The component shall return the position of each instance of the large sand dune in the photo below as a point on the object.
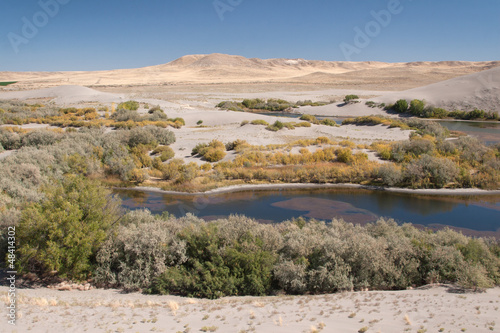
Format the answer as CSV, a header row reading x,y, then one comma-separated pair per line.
x,y
221,68
480,90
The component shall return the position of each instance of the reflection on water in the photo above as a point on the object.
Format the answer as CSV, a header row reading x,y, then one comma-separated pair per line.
x,y
481,213
324,209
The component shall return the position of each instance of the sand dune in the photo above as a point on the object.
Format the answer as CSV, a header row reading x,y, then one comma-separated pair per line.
x,y
477,90
481,90
64,95
221,68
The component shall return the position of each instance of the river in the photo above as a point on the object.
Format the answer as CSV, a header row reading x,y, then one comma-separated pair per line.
x,y
475,215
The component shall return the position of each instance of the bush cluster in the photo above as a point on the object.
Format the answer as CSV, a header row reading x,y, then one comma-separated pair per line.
x,y
16,113
213,151
238,256
419,109
432,162
270,105
128,105
420,126
348,99
314,120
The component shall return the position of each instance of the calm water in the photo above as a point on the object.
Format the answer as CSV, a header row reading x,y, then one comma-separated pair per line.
x,y
480,213
488,132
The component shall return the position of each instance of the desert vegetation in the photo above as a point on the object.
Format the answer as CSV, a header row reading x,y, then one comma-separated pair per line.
x,y
125,116
418,108
4,84
314,120
351,99
269,105
236,255
53,189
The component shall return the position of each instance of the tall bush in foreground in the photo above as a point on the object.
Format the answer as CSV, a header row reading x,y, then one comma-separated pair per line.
x,y
238,256
63,232
141,249
221,260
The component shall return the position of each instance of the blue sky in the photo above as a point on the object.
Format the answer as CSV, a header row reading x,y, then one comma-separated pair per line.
x,y
111,34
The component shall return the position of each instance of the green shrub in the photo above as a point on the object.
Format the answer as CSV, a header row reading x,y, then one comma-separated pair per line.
x,y
278,125
214,155
129,105
417,107
236,144
350,99
329,122
123,115
228,105
199,149
141,136
430,171
165,153
157,115
211,152
390,174
259,122
344,155
163,136
218,266
63,232
401,106
309,118
178,120
141,249
9,140
39,138
413,148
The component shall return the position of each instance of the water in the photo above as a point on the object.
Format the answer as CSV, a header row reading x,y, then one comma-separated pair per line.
x,y
479,213
488,132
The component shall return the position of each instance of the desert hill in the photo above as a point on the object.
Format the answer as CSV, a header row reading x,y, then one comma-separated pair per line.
x,y
481,90
229,69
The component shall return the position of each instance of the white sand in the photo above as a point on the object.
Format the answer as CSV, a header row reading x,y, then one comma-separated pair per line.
x,y
427,309
481,90
63,95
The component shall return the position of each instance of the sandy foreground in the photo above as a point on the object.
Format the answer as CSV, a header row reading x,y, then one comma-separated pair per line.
x,y
428,309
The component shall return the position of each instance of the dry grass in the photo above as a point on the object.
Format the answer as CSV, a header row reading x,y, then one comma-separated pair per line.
x,y
407,320
173,306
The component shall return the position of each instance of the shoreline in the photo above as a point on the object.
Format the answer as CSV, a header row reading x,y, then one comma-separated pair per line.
x,y
292,186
